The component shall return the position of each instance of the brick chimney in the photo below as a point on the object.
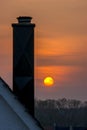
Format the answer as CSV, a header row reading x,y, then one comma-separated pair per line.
x,y
23,61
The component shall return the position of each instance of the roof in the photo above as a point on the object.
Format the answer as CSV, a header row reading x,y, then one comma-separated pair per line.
x,y
13,115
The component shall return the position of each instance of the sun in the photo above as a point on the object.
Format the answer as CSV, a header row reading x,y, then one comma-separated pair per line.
x,y
48,81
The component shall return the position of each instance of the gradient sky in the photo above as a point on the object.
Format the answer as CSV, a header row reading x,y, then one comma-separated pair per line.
x,y
60,44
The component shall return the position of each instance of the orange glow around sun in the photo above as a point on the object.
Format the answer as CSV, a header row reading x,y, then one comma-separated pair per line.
x,y
48,81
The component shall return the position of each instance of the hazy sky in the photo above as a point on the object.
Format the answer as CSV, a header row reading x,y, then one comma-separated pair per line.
x,y
60,44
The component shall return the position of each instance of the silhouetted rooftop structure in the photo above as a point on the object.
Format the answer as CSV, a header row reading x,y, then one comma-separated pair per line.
x,y
24,19
13,115
23,61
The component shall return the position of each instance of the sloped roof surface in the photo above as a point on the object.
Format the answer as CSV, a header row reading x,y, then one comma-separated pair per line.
x,y
12,114
8,118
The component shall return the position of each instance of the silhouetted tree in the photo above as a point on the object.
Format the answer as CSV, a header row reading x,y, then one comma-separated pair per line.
x,y
74,103
61,103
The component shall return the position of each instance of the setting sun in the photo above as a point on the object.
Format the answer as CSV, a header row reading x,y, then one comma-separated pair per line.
x,y
48,81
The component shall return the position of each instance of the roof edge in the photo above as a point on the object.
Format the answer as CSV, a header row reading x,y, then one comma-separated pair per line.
x,y
6,85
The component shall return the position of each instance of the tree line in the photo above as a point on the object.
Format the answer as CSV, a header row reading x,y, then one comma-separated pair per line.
x,y
60,103
63,112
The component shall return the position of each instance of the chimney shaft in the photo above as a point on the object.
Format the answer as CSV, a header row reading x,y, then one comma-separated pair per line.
x,y
23,61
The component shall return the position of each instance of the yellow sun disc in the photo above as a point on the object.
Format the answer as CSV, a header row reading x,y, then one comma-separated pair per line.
x,y
48,81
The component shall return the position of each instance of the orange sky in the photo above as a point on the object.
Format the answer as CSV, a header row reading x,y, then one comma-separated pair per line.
x,y
60,44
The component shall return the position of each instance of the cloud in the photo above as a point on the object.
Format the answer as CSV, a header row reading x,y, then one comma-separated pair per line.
x,y
62,60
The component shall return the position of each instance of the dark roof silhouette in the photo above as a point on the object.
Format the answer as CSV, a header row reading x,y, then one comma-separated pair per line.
x,y
13,115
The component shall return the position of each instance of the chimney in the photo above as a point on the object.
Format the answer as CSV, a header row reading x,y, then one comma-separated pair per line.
x,y
23,61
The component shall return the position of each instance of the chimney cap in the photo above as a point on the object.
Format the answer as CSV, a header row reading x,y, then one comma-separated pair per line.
x,y
24,19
